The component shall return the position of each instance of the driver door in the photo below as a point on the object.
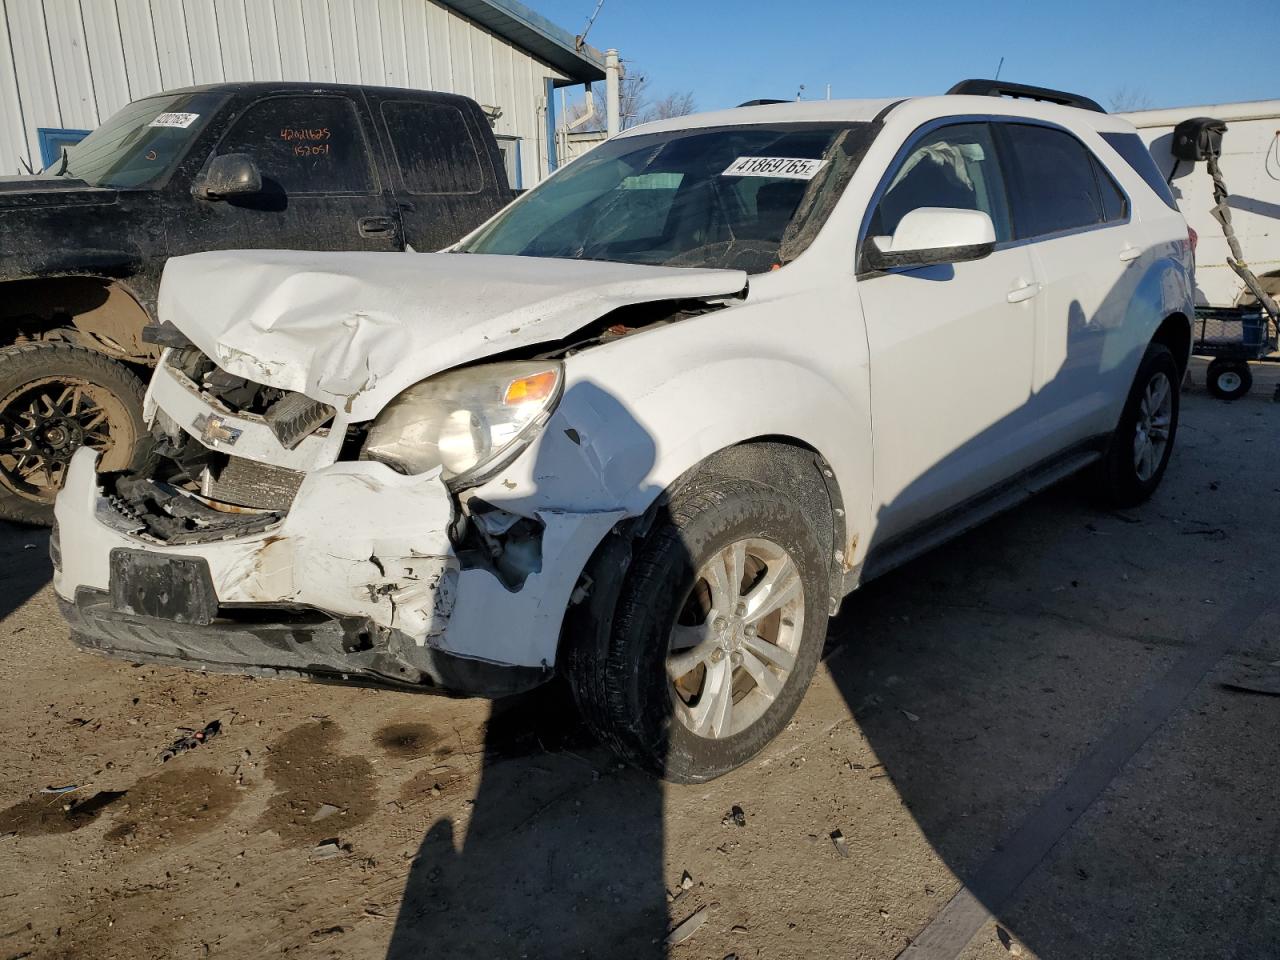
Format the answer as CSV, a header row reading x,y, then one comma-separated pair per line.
x,y
951,346
321,188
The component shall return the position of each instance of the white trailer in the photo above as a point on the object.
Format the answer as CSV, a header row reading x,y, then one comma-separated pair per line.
x,y
1250,165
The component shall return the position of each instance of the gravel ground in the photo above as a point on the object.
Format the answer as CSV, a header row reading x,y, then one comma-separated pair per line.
x,y
1037,741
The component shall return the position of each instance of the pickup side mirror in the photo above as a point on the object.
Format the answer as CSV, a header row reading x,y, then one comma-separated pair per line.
x,y
932,235
228,175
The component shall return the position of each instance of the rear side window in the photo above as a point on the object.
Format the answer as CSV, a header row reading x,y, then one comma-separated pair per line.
x,y
433,147
1115,205
1054,184
1136,154
304,145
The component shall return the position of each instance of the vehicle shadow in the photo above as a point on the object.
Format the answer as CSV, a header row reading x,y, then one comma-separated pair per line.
x,y
964,670
25,567
559,832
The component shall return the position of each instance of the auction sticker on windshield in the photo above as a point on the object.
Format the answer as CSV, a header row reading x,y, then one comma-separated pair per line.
x,y
182,120
792,168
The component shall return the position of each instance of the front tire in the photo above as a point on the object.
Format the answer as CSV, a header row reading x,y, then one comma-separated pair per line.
x,y
55,398
715,636
1138,452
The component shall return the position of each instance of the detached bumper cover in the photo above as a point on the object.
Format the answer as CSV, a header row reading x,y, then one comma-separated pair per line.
x,y
359,583
300,645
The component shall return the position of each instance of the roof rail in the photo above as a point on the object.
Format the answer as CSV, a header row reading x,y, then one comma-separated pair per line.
x,y
760,103
1001,88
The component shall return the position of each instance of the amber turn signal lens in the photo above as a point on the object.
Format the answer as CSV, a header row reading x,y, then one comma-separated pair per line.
x,y
539,386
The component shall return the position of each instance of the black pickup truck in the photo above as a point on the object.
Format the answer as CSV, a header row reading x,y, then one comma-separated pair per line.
x,y
227,166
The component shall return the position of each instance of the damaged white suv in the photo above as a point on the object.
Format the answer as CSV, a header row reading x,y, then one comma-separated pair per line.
x,y
650,424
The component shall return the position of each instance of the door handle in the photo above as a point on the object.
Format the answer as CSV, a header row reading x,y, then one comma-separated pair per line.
x,y
1130,252
375,227
1024,292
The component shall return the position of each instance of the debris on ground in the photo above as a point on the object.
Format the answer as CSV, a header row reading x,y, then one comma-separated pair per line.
x,y
325,810
841,844
1007,941
67,789
328,849
735,817
687,927
910,716
686,881
191,740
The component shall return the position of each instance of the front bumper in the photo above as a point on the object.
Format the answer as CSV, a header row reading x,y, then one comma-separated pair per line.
x,y
359,583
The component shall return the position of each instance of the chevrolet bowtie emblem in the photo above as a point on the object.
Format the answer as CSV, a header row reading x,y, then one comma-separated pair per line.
x,y
214,430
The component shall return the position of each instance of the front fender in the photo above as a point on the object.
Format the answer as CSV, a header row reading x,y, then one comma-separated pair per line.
x,y
631,422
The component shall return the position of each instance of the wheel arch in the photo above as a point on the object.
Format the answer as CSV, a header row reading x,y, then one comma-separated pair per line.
x,y
1175,333
99,313
789,464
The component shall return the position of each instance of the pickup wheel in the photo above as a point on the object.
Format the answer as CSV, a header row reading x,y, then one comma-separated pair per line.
x,y
1139,450
54,398
716,633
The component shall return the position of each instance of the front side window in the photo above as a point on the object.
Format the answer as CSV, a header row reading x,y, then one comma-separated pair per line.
x,y
954,166
741,197
1055,186
304,145
141,144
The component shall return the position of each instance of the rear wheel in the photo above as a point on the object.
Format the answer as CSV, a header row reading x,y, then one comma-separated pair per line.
x,y
715,635
1229,379
55,398
1139,450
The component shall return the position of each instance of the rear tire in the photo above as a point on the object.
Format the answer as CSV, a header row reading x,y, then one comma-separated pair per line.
x,y
1138,452
54,398
620,672
1229,379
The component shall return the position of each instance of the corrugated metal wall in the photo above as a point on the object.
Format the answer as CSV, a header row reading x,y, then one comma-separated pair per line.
x,y
70,64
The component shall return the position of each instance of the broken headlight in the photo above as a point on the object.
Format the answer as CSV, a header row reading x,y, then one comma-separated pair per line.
x,y
469,422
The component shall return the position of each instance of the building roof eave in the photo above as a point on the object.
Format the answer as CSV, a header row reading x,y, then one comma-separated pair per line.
x,y
522,27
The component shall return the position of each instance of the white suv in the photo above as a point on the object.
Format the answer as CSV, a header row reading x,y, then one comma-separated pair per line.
x,y
650,424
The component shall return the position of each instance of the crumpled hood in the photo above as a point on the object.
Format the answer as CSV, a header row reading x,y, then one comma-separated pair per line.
x,y
354,329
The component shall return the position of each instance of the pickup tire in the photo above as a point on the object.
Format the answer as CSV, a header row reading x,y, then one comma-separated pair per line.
x,y
54,398
1138,452
747,672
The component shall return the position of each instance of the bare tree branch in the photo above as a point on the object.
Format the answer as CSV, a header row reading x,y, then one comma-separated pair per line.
x,y
1126,98
635,103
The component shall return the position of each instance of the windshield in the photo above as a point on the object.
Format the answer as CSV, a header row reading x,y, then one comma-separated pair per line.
x,y
139,145
741,197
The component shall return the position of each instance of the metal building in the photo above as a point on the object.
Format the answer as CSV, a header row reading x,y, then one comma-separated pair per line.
x,y
67,65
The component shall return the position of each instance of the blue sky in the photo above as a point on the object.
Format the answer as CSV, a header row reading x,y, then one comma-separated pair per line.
x,y
1174,52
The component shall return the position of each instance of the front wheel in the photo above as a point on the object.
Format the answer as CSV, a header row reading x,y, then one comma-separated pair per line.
x,y
1138,452
55,398
715,636
1229,379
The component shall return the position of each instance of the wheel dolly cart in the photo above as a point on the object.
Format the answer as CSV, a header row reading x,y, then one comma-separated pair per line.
x,y
1230,337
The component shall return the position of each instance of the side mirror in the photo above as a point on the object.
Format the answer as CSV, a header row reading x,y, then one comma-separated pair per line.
x,y
228,175
933,235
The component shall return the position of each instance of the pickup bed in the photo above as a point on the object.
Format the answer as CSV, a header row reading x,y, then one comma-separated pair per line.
x,y
226,166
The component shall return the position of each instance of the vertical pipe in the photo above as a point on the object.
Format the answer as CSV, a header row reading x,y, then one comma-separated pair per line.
x,y
549,89
613,92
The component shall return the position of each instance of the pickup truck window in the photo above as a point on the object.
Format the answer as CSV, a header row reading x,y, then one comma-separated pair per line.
x,y
140,145
701,197
304,145
433,147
